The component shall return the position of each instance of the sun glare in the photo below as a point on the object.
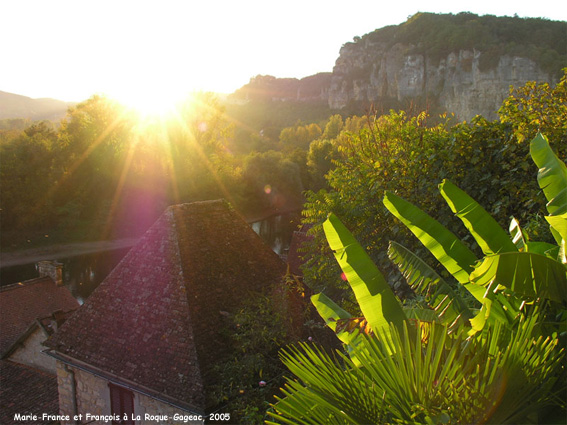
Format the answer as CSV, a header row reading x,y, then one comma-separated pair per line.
x,y
151,104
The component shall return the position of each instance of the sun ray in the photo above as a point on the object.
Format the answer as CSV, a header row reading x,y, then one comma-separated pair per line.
x,y
119,187
77,163
202,156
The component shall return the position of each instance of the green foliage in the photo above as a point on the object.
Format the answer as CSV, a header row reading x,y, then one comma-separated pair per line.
x,y
300,136
14,124
366,164
432,377
273,179
333,127
320,159
377,302
270,118
445,300
539,108
552,176
255,333
447,248
27,177
106,172
490,237
490,161
393,377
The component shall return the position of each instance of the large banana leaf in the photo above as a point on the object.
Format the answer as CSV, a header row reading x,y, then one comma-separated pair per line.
x,y
375,297
425,281
552,175
331,314
526,273
552,178
491,238
496,306
519,237
558,225
456,257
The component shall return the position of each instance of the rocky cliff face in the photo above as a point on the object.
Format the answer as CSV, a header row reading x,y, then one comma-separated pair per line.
x,y
461,82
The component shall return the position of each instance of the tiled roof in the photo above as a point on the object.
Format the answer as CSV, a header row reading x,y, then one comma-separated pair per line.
x,y
22,303
26,390
155,320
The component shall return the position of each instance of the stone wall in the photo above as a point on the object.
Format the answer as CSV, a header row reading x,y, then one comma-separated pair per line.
x,y
155,408
92,392
93,397
29,353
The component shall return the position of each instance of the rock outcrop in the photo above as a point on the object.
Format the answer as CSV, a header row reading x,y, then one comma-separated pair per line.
x,y
371,72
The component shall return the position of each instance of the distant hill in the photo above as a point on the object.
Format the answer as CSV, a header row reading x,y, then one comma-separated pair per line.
x,y
17,106
463,63
267,88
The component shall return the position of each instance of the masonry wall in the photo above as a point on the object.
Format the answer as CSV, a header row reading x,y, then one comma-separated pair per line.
x,y
153,407
92,392
93,397
29,353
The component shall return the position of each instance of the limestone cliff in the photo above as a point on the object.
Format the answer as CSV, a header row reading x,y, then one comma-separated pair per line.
x,y
371,72
463,63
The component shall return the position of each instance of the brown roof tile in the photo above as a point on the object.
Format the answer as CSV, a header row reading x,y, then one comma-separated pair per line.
x,y
154,321
26,390
22,303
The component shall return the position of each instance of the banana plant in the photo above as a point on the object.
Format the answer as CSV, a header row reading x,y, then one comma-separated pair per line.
x,y
447,304
426,366
538,270
512,271
452,253
377,301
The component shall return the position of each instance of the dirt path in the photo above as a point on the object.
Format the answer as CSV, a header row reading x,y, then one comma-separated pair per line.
x,y
55,252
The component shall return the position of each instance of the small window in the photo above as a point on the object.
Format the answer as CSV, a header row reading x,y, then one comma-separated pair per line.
x,y
121,404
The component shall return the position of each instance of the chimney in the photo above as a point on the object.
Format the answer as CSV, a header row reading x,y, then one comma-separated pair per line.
x,y
52,269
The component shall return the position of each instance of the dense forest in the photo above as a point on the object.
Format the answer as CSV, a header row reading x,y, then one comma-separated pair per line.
x,y
106,172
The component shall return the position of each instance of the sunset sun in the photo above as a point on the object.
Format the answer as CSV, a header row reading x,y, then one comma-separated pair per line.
x,y
158,101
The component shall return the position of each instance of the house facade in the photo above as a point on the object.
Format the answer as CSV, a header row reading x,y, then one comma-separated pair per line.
x,y
30,312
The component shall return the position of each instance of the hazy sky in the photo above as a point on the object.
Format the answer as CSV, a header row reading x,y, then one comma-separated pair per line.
x,y
73,49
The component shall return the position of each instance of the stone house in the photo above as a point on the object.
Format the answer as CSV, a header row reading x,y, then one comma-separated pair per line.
x,y
30,312
146,341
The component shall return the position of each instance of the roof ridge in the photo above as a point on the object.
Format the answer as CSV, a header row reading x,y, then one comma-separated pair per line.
x,y
25,283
